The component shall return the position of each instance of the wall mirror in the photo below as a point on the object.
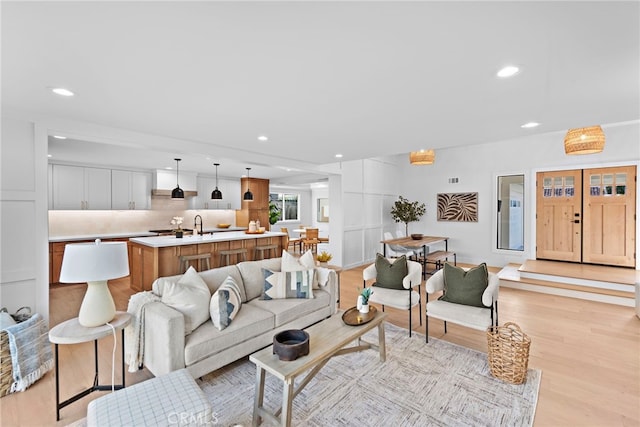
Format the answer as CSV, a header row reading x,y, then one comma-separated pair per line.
x,y
510,212
323,210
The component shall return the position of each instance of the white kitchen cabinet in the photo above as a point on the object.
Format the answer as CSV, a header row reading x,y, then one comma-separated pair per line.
x,y
230,194
130,190
81,188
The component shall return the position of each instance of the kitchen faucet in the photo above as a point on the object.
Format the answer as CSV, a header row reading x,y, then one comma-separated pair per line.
x,y
195,223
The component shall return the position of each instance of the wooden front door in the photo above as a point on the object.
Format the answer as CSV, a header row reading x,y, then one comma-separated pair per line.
x,y
559,215
609,216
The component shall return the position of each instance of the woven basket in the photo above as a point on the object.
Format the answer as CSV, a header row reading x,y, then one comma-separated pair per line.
x,y
508,352
6,367
6,371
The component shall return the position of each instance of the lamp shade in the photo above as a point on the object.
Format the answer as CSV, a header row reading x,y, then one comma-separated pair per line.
x,y
248,195
216,194
587,140
422,157
177,193
95,263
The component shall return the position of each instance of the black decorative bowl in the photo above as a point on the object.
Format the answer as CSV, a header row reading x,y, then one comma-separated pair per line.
x,y
417,236
291,344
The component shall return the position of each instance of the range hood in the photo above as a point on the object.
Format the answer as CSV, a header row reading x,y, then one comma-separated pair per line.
x,y
164,181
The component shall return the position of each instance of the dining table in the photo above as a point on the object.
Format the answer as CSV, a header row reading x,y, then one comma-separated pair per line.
x,y
410,243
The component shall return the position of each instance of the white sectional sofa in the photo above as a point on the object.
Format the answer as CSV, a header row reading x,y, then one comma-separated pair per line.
x,y
166,348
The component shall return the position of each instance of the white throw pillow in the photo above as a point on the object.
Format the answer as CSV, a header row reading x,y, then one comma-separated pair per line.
x,y
290,284
305,262
190,296
225,303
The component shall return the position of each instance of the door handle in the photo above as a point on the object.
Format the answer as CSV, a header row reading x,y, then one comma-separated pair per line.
x,y
577,221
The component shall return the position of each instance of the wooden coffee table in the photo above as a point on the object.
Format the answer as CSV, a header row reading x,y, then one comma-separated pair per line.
x,y
326,339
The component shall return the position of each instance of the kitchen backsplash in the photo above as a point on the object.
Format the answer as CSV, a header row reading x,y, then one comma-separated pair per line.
x,y
80,223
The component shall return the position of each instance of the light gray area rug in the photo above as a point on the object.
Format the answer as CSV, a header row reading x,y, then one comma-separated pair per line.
x,y
435,384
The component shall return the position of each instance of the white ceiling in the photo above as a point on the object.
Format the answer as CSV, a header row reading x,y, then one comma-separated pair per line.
x,y
363,79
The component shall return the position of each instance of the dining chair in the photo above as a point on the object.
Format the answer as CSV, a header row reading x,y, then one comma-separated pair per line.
x,y
296,241
310,240
396,251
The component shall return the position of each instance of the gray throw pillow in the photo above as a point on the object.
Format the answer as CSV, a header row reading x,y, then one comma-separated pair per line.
x,y
465,287
390,274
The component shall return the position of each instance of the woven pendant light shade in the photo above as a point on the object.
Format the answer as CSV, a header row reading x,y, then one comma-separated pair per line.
x,y
422,157
587,140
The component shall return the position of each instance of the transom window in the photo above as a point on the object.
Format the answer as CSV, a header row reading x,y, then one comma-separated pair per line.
x,y
288,204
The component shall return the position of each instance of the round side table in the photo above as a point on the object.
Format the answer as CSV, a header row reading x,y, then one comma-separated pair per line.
x,y
72,332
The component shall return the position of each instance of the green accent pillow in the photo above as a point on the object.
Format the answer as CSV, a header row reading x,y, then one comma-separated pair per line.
x,y
465,287
390,274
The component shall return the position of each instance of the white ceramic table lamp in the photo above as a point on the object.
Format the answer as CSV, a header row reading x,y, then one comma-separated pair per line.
x,y
95,263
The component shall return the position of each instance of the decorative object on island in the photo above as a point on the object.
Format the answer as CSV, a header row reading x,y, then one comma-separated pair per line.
x,y
291,344
248,195
216,194
405,211
461,207
587,140
324,257
274,213
363,300
422,157
416,236
95,263
177,220
177,192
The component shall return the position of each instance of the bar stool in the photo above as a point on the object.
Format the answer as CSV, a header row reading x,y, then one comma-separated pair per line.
x,y
268,249
184,261
225,255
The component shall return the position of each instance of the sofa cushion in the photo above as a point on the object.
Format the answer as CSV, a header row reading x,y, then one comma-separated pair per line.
x,y
286,310
190,296
465,286
207,340
252,277
389,273
304,262
225,303
216,276
289,284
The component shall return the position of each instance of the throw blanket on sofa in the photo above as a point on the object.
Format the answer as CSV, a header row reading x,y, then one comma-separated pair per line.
x,y
134,332
31,355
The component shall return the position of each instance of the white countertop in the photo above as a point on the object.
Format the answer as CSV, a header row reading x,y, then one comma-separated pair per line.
x,y
167,241
100,236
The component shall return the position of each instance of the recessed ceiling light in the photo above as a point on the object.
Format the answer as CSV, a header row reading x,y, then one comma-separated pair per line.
x,y
338,155
508,71
168,168
59,137
62,91
530,125
263,138
49,155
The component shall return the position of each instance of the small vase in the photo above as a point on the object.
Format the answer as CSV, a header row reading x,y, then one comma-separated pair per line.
x,y
324,264
364,308
179,234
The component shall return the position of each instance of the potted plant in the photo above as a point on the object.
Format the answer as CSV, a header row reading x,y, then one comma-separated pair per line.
x,y
177,221
405,211
274,213
324,257
363,300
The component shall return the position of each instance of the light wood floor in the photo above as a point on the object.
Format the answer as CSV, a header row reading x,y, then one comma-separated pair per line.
x,y
589,354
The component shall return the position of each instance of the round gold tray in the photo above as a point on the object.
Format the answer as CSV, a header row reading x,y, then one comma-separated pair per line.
x,y
353,317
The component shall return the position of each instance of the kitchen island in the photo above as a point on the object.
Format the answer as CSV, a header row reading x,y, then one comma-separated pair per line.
x,y
153,257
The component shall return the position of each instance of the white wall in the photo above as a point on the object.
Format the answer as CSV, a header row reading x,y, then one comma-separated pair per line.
x,y
477,168
23,223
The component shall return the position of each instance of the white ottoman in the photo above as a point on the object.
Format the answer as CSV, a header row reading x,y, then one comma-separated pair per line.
x,y
173,399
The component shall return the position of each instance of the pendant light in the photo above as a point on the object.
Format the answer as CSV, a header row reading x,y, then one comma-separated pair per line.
x,y
216,194
248,195
177,192
422,157
587,140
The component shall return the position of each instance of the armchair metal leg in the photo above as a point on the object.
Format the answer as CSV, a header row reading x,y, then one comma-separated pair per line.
x,y
445,326
426,331
420,305
410,327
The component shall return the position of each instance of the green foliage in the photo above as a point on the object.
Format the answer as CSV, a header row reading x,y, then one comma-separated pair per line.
x,y
366,293
405,211
274,213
